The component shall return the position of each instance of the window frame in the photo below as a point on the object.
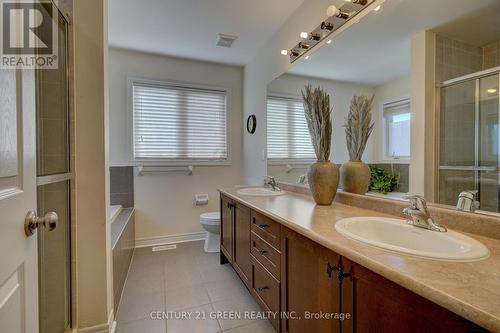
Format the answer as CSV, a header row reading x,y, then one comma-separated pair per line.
x,y
285,161
383,130
132,80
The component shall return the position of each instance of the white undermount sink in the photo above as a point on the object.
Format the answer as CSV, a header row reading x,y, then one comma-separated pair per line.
x,y
259,191
398,236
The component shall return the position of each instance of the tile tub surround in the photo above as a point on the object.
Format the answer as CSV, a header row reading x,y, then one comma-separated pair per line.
x,y
471,290
183,280
121,186
123,244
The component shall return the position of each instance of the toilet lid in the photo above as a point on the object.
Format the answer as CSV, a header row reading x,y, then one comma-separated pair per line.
x,y
210,217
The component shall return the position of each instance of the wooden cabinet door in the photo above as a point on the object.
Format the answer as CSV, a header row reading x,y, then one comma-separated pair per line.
x,y
308,286
377,304
226,227
242,263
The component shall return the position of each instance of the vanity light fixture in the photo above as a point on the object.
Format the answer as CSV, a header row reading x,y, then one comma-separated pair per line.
x,y
337,17
337,12
284,52
314,36
326,26
303,45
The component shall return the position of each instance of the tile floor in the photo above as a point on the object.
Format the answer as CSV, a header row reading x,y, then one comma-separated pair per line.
x,y
185,282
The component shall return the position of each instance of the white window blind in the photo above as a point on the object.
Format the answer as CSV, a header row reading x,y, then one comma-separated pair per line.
x,y
397,122
179,123
288,137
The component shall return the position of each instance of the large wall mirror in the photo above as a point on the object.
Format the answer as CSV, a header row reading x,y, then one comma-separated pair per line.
x,y
433,67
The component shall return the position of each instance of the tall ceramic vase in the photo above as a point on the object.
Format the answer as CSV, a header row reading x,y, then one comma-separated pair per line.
x,y
355,177
323,180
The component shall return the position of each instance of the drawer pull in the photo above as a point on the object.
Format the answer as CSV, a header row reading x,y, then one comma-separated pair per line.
x,y
262,252
262,288
262,226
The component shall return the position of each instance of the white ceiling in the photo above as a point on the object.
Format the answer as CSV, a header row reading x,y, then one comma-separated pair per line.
x,y
377,49
189,28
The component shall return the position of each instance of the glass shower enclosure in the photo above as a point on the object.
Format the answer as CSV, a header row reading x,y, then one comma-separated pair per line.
x,y
469,139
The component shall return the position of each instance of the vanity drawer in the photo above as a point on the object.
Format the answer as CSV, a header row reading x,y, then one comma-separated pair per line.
x,y
268,256
267,229
266,290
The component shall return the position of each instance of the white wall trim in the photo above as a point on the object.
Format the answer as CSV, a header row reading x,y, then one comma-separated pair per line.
x,y
170,239
109,327
102,328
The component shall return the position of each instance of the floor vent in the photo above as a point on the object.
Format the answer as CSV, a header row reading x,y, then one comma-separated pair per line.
x,y
163,248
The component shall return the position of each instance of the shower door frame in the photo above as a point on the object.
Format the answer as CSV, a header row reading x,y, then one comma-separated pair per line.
x,y
69,176
476,77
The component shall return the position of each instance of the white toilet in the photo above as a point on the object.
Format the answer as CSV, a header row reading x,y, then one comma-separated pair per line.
x,y
211,223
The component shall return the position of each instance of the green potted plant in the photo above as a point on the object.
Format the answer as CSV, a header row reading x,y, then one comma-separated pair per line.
x,y
323,176
355,175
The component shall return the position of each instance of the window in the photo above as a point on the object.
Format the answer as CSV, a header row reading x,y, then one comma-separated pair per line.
x,y
179,123
397,126
288,137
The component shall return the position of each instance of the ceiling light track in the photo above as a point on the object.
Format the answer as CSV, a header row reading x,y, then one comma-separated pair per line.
x,y
337,17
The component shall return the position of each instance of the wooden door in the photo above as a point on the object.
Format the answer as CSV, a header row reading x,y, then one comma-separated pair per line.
x,y
377,304
18,252
309,285
242,263
226,232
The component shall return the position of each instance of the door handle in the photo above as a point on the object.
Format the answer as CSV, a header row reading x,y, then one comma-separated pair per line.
x,y
32,222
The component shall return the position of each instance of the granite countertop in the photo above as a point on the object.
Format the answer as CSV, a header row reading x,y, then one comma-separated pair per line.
x,y
470,289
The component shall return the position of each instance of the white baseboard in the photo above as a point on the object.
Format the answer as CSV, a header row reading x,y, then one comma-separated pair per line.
x,y
109,327
103,328
171,239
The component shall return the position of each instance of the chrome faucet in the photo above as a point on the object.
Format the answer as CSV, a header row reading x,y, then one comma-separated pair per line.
x,y
419,216
467,201
270,181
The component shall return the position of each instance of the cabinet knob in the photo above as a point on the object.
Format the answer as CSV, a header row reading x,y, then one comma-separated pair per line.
x,y
262,288
330,269
342,275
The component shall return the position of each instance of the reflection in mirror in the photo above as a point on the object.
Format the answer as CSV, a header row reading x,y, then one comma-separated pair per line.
x,y
435,78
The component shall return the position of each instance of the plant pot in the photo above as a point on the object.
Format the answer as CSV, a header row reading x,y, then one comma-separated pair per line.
x,y
355,177
323,180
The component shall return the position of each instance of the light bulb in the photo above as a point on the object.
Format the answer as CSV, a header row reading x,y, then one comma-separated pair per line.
x,y
332,11
492,91
377,8
329,41
284,52
307,57
303,34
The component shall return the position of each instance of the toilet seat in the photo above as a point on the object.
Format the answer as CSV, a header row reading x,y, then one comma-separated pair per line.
x,y
211,218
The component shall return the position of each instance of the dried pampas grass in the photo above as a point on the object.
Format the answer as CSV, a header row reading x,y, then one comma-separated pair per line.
x,y
358,126
318,115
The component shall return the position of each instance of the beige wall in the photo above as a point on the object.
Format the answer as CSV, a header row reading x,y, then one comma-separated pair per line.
x,y
92,264
341,94
164,202
391,91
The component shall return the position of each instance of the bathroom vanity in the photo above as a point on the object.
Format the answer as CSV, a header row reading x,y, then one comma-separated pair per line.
x,y
287,252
